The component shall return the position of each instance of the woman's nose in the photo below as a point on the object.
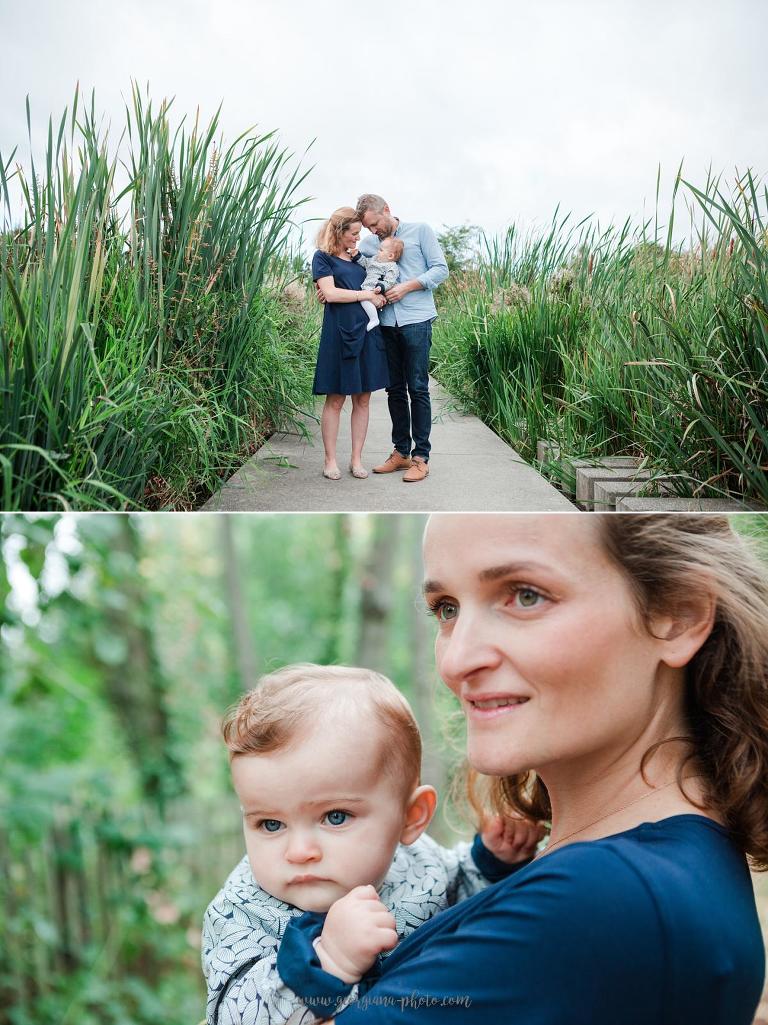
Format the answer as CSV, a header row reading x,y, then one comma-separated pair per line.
x,y
470,646
302,847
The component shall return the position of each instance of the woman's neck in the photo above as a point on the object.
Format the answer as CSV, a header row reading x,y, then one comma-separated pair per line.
x,y
592,800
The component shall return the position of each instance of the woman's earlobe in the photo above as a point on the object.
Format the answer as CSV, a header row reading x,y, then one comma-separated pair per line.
x,y
419,813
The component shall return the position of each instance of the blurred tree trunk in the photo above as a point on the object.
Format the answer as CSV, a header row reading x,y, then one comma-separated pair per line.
x,y
124,649
423,673
377,585
5,615
244,654
339,570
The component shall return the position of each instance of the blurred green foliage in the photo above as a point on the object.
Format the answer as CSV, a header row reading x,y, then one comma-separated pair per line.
x,y
123,641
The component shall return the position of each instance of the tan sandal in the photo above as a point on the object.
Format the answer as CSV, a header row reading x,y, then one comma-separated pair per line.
x,y
332,474
358,471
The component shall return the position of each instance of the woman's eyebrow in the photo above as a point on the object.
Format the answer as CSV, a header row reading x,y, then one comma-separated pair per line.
x,y
492,573
496,572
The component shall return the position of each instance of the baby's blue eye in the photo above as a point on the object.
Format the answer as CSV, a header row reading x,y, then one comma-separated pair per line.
x,y
270,825
337,818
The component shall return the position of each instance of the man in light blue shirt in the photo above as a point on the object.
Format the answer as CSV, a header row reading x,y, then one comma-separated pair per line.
x,y
406,324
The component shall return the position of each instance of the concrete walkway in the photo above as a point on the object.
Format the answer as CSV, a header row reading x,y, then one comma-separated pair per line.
x,y
471,469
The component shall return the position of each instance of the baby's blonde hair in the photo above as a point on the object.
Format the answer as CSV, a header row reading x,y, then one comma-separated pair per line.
x,y
397,246
286,703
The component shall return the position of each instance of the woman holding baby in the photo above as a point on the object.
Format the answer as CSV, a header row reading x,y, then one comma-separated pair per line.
x,y
351,359
613,672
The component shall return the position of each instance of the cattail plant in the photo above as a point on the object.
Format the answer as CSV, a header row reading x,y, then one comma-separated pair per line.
x,y
142,348
630,344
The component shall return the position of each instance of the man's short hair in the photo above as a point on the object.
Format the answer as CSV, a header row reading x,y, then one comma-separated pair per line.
x,y
369,201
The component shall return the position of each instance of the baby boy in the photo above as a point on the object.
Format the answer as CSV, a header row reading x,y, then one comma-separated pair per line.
x,y
326,763
381,272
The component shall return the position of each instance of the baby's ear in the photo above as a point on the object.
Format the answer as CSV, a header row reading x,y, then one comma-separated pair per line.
x,y
418,814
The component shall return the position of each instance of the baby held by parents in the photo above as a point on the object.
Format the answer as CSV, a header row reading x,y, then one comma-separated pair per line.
x,y
338,867
382,273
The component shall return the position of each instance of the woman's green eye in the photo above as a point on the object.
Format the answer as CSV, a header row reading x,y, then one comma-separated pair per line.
x,y
337,818
447,611
528,597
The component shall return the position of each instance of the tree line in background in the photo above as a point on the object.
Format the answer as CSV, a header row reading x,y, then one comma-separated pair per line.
x,y
122,642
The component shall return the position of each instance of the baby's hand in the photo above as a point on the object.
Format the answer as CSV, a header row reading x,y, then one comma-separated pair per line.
x,y
353,252
512,839
357,928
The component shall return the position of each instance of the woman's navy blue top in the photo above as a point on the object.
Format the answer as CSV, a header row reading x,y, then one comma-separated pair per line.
x,y
350,359
654,926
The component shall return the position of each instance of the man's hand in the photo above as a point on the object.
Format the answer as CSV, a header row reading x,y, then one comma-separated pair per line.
x,y
397,292
512,839
357,928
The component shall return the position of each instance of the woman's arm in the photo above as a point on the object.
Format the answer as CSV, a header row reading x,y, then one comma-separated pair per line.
x,y
577,940
332,294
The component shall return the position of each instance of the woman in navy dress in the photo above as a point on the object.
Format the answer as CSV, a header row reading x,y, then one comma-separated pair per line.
x,y
613,673
351,360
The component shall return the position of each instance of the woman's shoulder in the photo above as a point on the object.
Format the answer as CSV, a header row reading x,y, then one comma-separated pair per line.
x,y
596,934
652,853
679,885
675,878
322,259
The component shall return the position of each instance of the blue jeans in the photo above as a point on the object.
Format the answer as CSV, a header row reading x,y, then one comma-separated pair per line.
x,y
408,359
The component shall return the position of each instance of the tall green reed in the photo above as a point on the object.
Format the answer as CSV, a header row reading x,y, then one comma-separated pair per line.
x,y
130,314
622,342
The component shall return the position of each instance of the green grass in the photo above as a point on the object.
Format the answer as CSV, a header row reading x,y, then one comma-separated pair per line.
x,y
146,342
619,342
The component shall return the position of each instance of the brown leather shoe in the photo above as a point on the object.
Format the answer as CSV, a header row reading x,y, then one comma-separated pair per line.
x,y
418,470
393,462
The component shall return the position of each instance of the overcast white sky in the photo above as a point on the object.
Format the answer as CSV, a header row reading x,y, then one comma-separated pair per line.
x,y
484,111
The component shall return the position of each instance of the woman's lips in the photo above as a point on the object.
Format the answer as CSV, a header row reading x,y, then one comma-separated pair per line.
x,y
493,706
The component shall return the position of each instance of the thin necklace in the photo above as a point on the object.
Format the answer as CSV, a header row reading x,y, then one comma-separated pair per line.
x,y
615,811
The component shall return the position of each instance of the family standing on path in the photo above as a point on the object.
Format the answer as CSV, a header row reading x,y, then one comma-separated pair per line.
x,y
377,330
